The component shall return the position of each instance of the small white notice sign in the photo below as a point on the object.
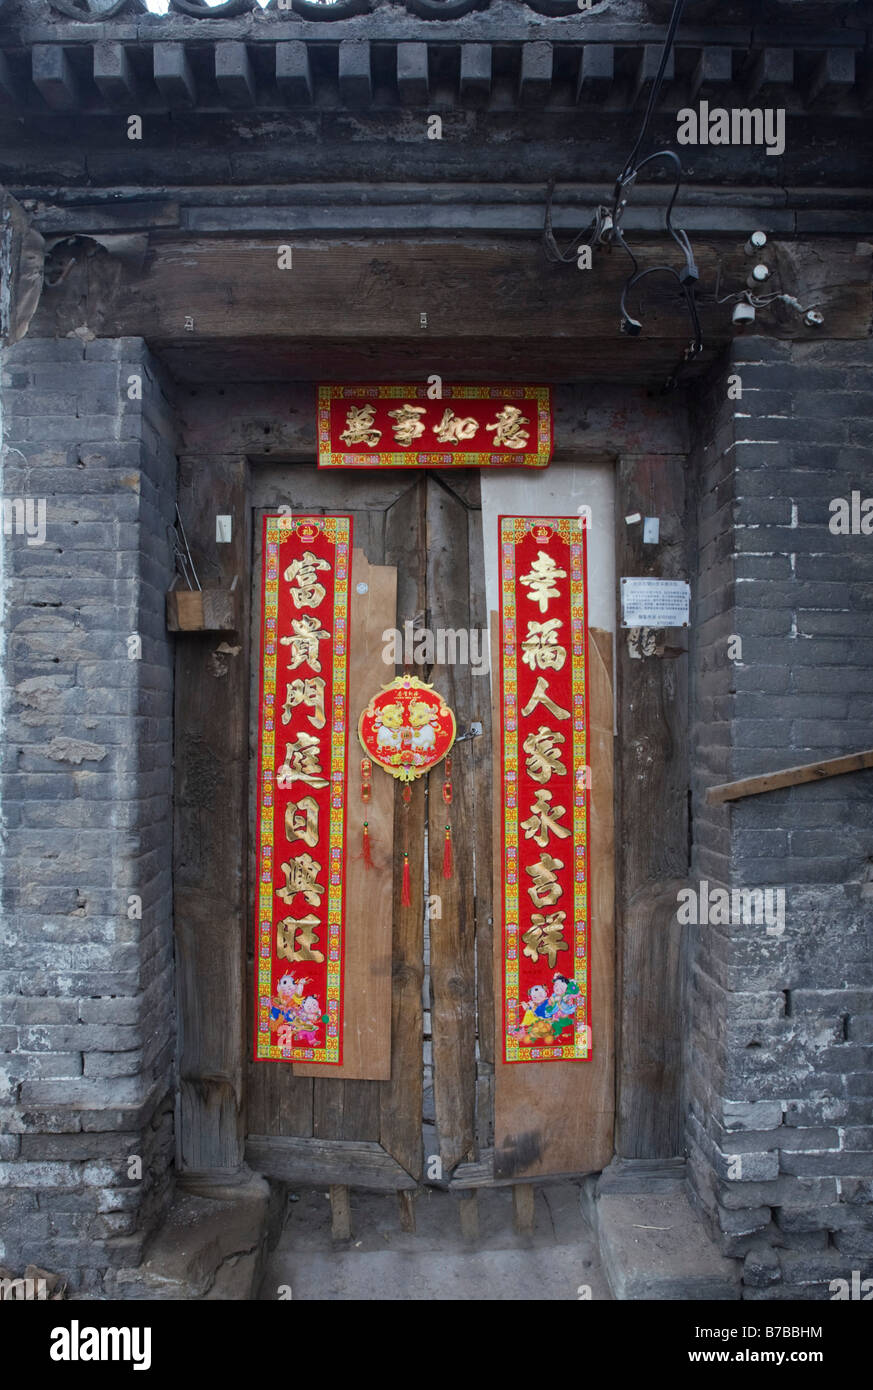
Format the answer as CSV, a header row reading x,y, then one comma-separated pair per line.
x,y
655,603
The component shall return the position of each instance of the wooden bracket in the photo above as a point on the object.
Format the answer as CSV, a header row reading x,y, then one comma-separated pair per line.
x,y
790,777
203,610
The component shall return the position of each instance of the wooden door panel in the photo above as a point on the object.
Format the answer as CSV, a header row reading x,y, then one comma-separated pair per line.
x,y
369,889
308,1103
559,1117
452,934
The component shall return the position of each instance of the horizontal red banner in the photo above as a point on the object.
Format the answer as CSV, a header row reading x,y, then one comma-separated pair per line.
x,y
388,426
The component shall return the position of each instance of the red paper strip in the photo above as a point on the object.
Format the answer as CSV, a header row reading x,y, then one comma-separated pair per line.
x,y
303,735
545,781
372,426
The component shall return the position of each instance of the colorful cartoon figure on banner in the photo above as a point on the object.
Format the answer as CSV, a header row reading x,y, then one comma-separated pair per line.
x,y
407,729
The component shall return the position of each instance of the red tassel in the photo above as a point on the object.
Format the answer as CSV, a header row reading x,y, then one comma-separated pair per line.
x,y
406,895
368,858
448,858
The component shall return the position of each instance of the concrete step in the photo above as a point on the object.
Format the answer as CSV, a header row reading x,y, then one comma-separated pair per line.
x,y
207,1248
653,1246
558,1260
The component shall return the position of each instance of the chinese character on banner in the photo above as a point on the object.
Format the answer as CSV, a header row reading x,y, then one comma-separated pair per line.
x,y
544,739
301,827
458,425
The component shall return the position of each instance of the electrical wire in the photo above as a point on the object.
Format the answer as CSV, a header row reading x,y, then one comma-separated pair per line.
x,y
605,226
630,165
589,236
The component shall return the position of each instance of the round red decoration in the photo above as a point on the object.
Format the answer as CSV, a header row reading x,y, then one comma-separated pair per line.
x,y
407,728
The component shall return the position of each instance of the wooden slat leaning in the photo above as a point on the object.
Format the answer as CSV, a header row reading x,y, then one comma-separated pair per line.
x,y
789,777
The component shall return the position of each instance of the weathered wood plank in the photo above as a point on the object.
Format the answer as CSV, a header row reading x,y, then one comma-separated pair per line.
x,y
558,1117
326,1162
22,255
468,1177
367,1014
789,777
340,1213
401,1097
406,1211
479,823
468,1211
652,805
452,948
278,419
523,1198
210,853
460,285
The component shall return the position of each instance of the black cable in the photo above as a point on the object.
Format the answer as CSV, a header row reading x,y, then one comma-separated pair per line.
x,y
604,227
656,89
677,233
589,235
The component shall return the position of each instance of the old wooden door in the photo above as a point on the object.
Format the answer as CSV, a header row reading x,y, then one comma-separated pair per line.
x,y
375,1132
441,1095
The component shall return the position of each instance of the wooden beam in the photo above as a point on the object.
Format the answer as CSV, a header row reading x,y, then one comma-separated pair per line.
x,y
356,292
652,810
790,777
401,1098
327,1163
22,257
211,820
452,940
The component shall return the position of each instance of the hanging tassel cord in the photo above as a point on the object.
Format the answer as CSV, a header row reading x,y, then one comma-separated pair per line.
x,y
406,893
367,855
448,857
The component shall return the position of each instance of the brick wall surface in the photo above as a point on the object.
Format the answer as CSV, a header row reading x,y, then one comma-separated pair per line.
x,y
780,1040
86,978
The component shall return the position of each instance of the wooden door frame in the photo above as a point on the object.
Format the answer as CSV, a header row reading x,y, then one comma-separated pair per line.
x,y
210,877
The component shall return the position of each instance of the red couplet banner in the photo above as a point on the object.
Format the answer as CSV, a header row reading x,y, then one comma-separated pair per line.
x,y
303,736
545,788
389,426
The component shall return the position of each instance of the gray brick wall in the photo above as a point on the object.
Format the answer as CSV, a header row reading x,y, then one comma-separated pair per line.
x,y
780,1123
86,985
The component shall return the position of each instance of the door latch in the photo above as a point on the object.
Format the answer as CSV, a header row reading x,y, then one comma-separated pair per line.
x,y
474,731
